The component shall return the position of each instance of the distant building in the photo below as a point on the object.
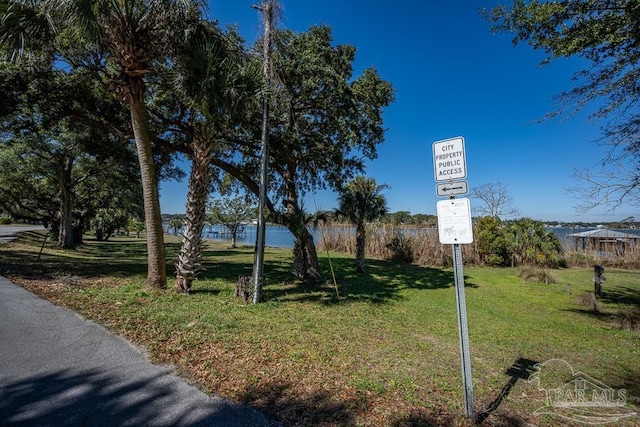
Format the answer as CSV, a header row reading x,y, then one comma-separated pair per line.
x,y
604,240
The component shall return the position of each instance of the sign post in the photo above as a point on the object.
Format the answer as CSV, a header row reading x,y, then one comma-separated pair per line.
x,y
455,228
463,332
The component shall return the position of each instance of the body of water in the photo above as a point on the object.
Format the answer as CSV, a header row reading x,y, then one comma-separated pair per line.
x,y
275,235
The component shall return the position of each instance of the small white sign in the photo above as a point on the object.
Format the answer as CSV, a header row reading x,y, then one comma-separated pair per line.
x,y
449,159
454,221
452,188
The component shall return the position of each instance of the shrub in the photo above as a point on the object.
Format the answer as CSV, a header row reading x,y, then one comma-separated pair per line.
x,y
494,260
492,242
5,219
401,248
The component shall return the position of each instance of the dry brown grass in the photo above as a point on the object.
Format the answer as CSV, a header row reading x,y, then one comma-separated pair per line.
x,y
422,246
406,244
628,318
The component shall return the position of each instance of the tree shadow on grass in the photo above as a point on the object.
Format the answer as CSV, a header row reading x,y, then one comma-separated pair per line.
x,y
213,292
631,383
598,315
382,282
621,295
616,302
280,402
118,257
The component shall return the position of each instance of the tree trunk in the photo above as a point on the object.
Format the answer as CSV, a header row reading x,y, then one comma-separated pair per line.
x,y
78,229
156,263
305,258
360,246
65,236
188,264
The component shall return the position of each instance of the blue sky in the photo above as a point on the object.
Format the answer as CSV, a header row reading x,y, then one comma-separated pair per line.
x,y
453,77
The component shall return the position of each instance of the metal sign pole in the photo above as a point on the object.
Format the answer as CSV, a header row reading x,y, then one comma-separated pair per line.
x,y
465,352
455,227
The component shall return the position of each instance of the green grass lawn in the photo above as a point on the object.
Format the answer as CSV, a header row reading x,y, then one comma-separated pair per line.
x,y
382,349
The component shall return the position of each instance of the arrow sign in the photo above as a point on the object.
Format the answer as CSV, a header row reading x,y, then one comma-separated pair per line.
x,y
452,188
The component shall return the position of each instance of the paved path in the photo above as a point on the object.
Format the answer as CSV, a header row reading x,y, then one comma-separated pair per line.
x,y
9,232
58,369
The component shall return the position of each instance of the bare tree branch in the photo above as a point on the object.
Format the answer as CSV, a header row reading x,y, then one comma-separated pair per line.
x,y
496,201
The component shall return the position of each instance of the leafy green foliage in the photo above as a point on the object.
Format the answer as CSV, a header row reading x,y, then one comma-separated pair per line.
x,y
232,213
62,148
519,242
360,202
326,121
135,225
107,221
492,241
175,224
25,25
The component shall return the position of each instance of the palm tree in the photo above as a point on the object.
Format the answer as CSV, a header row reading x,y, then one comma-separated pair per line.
x,y
215,81
188,264
533,244
136,35
360,202
174,224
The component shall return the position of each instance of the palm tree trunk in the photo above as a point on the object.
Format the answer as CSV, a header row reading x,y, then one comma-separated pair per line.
x,y
305,258
188,264
360,247
312,273
156,263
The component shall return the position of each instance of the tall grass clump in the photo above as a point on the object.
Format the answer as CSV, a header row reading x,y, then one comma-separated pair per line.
x,y
403,244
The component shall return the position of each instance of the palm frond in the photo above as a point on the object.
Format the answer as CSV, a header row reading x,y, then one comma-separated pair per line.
x,y
22,25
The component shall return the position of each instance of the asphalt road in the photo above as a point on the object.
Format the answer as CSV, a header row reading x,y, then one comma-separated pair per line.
x,y
58,369
9,232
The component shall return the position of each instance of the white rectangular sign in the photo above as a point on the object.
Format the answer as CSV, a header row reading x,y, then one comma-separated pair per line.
x,y
454,221
449,159
452,188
